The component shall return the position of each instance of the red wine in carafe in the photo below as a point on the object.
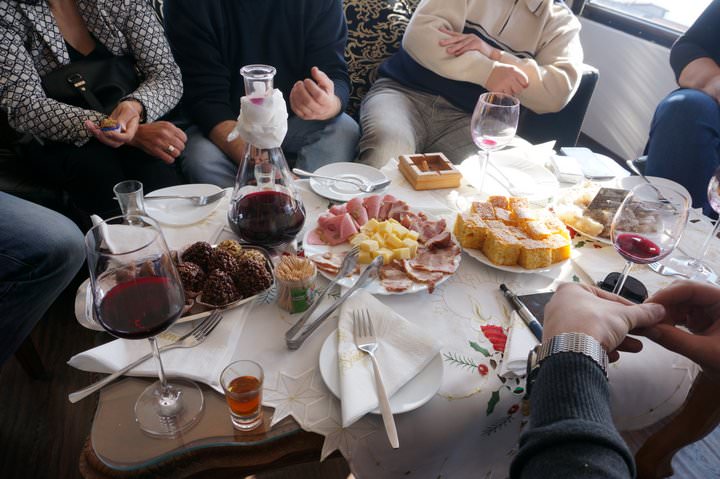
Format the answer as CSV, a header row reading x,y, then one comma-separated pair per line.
x,y
267,217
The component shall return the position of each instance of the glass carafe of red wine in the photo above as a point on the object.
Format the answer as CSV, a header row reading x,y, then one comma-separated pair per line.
x,y
265,207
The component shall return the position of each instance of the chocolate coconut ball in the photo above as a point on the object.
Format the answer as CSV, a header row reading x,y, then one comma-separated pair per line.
x,y
199,253
224,261
219,289
252,277
192,277
251,255
231,246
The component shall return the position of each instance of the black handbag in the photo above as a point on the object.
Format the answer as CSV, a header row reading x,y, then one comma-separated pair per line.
x,y
95,84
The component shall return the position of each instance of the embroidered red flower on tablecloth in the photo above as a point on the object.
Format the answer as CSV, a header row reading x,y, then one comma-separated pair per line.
x,y
483,369
572,232
496,336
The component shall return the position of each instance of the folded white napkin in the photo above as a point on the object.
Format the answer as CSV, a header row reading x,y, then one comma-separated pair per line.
x,y
404,350
262,121
202,363
520,341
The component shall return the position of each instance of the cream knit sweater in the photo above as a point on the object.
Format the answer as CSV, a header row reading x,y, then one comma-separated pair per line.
x,y
538,36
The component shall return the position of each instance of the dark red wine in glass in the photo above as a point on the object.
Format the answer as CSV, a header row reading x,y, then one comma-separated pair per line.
x,y
267,217
140,308
636,248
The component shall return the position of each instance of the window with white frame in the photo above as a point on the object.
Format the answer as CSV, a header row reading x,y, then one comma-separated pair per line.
x,y
674,15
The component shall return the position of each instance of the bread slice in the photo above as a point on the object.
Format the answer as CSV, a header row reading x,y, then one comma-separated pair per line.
x,y
501,246
560,247
470,230
535,254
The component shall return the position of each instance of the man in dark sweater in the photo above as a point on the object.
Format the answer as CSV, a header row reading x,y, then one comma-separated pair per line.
x,y
303,39
684,140
571,432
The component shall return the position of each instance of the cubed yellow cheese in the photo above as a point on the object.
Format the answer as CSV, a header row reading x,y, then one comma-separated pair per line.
x,y
400,230
371,226
385,227
402,253
386,254
392,242
358,238
369,245
413,235
412,245
365,257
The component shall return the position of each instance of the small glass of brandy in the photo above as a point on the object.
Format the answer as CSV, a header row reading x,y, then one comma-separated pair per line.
x,y
242,382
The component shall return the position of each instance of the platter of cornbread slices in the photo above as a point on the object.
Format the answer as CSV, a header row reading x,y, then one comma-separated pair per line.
x,y
418,250
507,234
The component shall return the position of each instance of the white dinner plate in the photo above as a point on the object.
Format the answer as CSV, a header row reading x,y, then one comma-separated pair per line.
x,y
181,212
340,191
480,256
631,182
412,395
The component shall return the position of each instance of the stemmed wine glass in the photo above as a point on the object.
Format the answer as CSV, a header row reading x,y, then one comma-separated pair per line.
x,y
493,125
137,294
695,268
648,225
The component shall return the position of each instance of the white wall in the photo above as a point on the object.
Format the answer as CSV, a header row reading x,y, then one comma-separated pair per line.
x,y
634,76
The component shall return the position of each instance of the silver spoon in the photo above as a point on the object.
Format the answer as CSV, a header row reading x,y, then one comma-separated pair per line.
x,y
357,183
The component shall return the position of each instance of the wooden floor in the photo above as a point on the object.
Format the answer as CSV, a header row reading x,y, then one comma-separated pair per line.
x,y
42,433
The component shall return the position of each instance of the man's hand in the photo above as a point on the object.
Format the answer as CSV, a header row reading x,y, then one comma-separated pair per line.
x,y
459,43
604,316
156,139
233,149
697,307
507,79
702,74
314,99
127,114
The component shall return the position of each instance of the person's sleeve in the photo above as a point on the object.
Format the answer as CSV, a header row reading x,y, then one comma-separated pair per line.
x,y
196,45
162,86
555,72
422,37
700,40
325,47
22,97
571,432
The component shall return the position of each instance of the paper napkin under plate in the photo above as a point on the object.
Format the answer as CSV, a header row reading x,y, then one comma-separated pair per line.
x,y
404,350
520,341
202,363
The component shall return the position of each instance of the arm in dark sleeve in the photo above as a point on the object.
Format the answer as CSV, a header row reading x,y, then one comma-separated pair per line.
x,y
326,47
701,40
195,41
571,432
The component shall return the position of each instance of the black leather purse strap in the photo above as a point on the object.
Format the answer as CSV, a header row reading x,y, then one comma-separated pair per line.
x,y
78,82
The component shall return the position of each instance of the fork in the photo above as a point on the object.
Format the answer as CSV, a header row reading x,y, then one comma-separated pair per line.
x,y
361,185
663,270
189,340
199,200
366,341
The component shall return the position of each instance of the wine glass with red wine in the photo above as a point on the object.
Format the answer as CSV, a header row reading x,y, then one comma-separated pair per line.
x,y
648,225
137,294
493,125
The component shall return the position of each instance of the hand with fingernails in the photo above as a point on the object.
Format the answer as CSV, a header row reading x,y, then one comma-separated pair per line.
x,y
314,98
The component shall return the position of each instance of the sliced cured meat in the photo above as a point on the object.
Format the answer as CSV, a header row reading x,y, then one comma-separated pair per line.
x,y
409,219
387,202
334,230
428,277
394,278
398,209
328,262
372,205
439,241
358,212
428,228
440,260
314,237
338,209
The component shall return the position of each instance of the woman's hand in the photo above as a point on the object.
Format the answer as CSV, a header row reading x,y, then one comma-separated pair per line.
x,y
460,43
127,114
160,139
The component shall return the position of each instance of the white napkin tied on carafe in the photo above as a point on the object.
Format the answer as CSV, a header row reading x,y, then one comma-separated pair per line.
x,y
262,121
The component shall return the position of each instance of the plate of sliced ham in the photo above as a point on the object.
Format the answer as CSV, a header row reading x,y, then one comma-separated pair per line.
x,y
438,253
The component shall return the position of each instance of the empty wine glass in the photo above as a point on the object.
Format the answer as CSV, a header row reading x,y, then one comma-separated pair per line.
x,y
137,294
695,267
648,225
493,125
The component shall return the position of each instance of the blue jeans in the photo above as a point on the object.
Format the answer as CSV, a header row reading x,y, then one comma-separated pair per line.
x,y
40,253
312,144
684,143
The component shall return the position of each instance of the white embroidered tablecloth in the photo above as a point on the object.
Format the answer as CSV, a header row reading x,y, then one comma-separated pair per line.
x,y
471,427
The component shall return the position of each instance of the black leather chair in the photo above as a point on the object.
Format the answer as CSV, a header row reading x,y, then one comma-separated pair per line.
x,y
564,125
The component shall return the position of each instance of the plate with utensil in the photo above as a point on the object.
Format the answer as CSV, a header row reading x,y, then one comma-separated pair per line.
x,y
184,204
418,391
358,180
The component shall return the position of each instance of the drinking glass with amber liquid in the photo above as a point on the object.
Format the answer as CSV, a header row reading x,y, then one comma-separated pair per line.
x,y
242,382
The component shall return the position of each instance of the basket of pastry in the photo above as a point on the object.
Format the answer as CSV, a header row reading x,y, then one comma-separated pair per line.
x,y
506,233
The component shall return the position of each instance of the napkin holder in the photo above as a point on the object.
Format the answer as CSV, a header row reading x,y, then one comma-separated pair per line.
x,y
429,171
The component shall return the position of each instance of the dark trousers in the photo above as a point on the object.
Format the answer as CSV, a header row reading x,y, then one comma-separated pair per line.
x,y
89,172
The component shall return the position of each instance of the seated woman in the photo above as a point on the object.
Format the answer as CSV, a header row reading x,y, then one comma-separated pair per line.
x,y
684,140
69,149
